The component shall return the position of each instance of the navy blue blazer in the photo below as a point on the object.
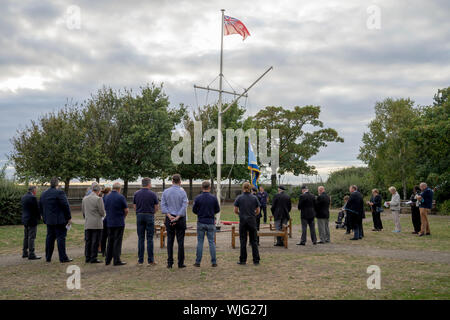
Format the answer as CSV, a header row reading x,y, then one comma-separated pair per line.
x,y
30,210
54,207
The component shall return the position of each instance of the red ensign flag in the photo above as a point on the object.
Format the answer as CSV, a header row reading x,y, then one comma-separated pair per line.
x,y
233,25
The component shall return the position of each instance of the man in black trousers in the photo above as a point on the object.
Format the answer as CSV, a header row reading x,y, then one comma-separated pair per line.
x,y
116,211
355,207
281,206
247,206
55,211
30,220
306,203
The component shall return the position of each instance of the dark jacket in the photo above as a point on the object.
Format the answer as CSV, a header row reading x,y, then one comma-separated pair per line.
x,y
376,202
54,207
281,206
427,196
323,206
30,210
306,205
356,203
205,207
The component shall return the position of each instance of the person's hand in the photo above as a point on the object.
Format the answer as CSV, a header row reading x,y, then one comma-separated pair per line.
x,y
69,222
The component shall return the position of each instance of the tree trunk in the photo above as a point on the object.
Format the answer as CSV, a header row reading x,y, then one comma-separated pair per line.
x,y
98,180
190,189
125,188
164,184
229,188
273,180
212,185
66,186
404,189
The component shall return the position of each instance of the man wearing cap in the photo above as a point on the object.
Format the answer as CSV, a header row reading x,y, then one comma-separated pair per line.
x,y
306,207
281,206
30,220
262,197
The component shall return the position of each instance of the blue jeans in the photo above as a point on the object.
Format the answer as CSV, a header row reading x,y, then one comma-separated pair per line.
x,y
145,224
210,230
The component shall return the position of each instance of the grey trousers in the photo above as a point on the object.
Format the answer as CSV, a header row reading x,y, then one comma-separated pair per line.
x,y
29,235
396,216
279,226
324,230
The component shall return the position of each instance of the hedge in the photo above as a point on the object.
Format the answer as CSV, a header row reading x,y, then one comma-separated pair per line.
x,y
10,207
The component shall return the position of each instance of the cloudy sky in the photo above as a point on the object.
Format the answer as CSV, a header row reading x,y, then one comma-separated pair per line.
x,y
336,54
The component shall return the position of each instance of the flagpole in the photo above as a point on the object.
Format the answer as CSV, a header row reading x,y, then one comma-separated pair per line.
x,y
219,126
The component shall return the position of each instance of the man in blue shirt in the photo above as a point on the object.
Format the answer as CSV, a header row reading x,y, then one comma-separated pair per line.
x,y
145,203
174,203
205,207
425,203
263,197
116,211
55,211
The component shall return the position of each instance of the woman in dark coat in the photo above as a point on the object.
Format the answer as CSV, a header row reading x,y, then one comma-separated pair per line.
x,y
415,212
375,204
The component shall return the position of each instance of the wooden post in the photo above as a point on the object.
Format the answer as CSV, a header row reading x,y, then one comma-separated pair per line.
x,y
161,235
290,228
285,237
233,242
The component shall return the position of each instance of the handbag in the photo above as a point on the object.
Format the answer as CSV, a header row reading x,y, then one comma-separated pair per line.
x,y
379,209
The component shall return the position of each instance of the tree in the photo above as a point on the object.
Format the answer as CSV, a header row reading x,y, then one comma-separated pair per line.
x,y
50,147
387,148
296,144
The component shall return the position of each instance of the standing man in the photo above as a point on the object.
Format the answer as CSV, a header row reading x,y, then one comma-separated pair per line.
x,y
323,215
425,204
263,197
205,207
55,211
281,206
30,220
174,203
246,206
306,203
93,212
116,211
415,211
355,208
145,203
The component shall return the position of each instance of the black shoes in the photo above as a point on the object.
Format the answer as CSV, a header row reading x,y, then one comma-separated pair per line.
x,y
96,261
354,238
34,257
278,245
300,244
182,266
241,263
321,242
25,256
169,266
67,260
256,263
120,263
197,265
214,265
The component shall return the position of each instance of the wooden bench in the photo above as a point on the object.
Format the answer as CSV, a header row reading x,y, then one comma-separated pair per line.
x,y
187,233
277,233
272,225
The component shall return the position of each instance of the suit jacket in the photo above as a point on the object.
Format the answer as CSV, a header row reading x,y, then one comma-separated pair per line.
x,y
93,211
323,206
30,210
54,207
281,206
355,203
306,205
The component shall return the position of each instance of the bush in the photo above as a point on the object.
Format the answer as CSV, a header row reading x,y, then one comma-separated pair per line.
x,y
444,207
10,207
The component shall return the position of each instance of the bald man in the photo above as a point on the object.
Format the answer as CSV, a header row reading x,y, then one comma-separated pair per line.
x,y
322,206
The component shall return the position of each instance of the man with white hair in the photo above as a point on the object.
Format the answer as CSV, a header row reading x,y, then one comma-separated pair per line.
x,y
93,212
116,211
323,215
425,203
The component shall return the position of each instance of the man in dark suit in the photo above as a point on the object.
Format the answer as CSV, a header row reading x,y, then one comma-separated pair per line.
x,y
306,206
55,211
30,220
281,206
355,208
323,215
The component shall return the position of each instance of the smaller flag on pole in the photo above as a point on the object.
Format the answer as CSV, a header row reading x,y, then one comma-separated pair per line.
x,y
233,25
253,166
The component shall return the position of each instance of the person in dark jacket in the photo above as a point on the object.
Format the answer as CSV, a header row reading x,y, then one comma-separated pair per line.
x,y
306,203
281,206
263,197
355,207
322,206
55,211
425,204
415,212
258,217
205,207
246,206
376,206
30,220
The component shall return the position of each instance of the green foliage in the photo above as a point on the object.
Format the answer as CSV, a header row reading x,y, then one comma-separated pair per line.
x,y
444,207
297,145
338,183
10,207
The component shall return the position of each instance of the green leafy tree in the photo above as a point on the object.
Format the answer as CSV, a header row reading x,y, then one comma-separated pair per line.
x,y
297,145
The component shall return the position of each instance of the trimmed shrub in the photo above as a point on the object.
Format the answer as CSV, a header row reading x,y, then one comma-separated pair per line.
x,y
10,207
444,208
